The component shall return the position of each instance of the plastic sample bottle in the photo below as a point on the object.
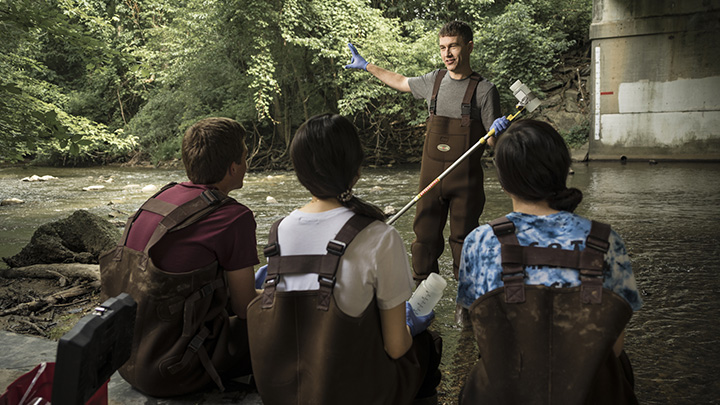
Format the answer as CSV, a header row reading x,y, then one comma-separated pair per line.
x,y
427,294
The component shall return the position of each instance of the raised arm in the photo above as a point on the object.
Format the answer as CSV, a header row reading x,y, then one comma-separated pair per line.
x,y
392,79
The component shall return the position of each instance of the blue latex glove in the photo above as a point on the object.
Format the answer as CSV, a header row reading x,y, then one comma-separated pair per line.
x,y
260,277
416,323
500,125
357,61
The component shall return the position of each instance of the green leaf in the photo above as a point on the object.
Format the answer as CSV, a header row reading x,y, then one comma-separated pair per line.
x,y
12,89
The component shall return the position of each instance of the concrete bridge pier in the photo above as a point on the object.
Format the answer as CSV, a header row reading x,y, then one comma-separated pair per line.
x,y
655,80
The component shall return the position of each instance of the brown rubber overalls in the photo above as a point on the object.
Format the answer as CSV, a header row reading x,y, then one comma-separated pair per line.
x,y
545,345
307,351
461,191
183,336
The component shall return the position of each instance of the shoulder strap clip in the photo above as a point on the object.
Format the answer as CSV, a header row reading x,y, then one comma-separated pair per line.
x,y
336,247
271,249
212,196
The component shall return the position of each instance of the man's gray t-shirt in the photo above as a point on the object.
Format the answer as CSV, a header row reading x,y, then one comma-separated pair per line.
x,y
485,105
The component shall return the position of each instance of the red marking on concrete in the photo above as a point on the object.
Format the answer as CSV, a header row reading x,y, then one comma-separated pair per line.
x,y
606,93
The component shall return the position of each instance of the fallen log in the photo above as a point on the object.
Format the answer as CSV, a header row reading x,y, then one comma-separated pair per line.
x,y
57,270
53,299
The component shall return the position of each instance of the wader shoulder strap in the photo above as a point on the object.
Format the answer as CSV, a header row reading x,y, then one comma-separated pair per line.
x,y
175,217
436,88
466,106
591,274
325,266
152,208
188,213
513,273
589,261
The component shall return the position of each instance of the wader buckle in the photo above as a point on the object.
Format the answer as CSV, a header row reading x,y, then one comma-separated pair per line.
x,y
597,243
210,197
336,247
196,342
326,281
465,109
272,249
271,281
503,228
206,290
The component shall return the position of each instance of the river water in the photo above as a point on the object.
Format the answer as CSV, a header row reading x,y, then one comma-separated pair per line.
x,y
667,214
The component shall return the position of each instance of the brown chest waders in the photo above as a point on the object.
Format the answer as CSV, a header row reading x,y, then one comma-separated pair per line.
x,y
460,193
183,337
544,345
306,351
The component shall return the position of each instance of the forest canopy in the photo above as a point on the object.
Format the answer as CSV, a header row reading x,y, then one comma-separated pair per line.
x,y
97,81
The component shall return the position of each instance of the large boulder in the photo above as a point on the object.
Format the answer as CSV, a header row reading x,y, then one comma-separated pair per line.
x,y
79,238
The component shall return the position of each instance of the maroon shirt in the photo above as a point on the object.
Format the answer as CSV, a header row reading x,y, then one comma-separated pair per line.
x,y
226,236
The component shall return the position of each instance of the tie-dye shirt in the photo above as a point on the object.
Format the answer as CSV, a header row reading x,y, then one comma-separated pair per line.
x,y
481,267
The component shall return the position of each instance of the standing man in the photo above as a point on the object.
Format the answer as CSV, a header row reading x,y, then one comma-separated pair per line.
x,y
463,107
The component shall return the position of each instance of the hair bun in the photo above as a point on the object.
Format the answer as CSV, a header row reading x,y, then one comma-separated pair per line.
x,y
566,200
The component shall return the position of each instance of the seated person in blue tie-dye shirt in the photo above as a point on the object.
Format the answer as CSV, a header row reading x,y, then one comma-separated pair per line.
x,y
549,320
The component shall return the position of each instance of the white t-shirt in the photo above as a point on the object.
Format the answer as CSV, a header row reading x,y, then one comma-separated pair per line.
x,y
374,264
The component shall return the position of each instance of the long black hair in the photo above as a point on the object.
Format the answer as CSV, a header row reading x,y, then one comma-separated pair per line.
x,y
533,162
327,155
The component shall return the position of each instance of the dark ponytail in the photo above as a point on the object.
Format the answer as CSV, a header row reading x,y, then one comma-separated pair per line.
x,y
360,206
327,155
533,162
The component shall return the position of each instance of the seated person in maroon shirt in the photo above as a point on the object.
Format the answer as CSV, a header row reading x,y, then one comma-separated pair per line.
x,y
187,258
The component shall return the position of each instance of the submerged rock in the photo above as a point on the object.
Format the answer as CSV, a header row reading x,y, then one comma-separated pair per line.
x,y
11,201
35,177
79,238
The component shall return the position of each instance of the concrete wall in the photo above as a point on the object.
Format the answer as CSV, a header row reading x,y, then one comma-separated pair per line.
x,y
655,79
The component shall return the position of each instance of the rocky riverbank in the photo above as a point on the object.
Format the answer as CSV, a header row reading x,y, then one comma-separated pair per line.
x,y
55,279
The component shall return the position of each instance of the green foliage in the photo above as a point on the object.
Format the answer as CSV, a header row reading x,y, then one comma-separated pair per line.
x,y
564,18
578,135
51,54
159,124
439,11
86,81
325,28
513,46
85,143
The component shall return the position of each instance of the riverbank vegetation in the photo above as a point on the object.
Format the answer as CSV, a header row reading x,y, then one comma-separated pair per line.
x,y
97,81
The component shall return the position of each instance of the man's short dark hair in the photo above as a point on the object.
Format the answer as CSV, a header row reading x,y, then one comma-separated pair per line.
x,y
457,29
210,146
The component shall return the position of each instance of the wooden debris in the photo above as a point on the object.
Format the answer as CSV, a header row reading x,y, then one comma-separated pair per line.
x,y
66,270
53,299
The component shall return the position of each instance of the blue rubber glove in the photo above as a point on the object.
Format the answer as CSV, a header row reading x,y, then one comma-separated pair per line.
x,y
500,125
260,277
357,61
416,323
